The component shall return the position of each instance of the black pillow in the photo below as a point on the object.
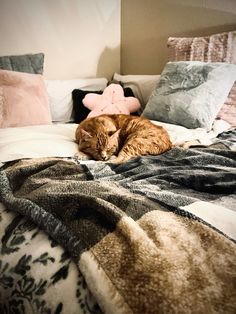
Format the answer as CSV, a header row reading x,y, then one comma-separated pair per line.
x,y
80,112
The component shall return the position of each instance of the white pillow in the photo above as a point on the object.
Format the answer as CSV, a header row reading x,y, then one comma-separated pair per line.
x,y
60,95
141,85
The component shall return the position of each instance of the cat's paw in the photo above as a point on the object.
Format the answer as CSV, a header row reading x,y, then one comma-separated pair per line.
x,y
81,156
188,144
118,160
113,157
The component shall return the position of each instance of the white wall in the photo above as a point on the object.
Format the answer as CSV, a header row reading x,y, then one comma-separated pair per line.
x,y
80,38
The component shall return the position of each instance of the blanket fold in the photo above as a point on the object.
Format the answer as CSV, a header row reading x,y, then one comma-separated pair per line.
x,y
128,226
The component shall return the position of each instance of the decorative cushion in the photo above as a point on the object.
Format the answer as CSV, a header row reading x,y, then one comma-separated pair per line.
x,y
29,63
80,111
228,110
191,93
60,95
23,99
141,85
215,48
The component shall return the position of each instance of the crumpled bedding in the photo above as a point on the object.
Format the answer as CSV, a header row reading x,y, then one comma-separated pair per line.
x,y
134,229
26,249
58,140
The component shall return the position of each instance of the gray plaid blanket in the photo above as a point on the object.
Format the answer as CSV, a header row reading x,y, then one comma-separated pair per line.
x,y
142,232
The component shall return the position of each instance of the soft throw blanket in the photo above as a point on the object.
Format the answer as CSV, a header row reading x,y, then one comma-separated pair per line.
x,y
134,229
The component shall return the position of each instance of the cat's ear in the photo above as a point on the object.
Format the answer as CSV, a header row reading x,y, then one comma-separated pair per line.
x,y
85,135
114,137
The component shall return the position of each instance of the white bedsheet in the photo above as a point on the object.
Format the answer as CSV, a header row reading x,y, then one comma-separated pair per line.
x,y
58,140
55,140
180,135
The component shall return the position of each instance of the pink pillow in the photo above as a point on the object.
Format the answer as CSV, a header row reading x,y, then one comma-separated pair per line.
x,y
23,99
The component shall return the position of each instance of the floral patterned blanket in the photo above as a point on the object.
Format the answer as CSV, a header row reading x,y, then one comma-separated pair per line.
x,y
144,234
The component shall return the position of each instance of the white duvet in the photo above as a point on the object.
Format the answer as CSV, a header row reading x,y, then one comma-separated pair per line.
x,y
58,140
55,140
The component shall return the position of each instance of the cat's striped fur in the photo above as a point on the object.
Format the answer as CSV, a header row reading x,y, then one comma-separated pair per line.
x,y
124,136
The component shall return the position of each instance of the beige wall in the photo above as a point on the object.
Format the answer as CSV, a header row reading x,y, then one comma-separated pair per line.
x,y
146,25
80,38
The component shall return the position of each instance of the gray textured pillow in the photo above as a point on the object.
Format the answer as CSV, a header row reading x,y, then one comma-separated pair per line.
x,y
191,93
29,63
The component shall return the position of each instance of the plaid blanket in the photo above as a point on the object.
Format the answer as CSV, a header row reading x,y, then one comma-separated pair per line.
x,y
153,235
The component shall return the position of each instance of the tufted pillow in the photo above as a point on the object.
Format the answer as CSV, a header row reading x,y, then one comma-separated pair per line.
x,y
215,48
141,85
29,63
80,111
23,99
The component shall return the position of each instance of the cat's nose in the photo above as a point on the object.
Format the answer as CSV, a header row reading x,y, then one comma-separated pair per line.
x,y
104,156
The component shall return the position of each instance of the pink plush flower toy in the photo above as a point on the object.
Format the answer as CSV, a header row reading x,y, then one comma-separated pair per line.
x,y
112,101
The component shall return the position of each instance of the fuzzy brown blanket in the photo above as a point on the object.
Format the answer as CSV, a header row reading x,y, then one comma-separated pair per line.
x,y
125,226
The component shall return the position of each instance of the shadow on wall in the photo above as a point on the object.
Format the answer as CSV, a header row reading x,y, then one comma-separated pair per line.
x,y
108,62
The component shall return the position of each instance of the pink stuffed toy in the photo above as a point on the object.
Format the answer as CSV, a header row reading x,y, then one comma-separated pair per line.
x,y
112,101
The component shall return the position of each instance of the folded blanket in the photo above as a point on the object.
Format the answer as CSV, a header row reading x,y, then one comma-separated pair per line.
x,y
133,229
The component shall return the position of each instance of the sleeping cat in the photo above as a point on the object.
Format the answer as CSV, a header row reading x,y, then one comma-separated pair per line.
x,y
124,136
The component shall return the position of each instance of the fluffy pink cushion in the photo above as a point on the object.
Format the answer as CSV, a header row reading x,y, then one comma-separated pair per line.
x,y
23,99
112,101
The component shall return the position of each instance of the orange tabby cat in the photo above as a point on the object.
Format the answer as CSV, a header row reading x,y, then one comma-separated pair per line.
x,y
125,136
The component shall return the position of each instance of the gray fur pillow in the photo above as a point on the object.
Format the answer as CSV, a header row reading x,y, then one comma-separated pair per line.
x,y
191,93
214,48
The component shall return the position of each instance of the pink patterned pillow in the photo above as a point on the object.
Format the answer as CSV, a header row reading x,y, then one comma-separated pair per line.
x,y
228,111
23,99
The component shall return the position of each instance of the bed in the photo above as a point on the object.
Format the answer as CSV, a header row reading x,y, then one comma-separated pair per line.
x,y
156,234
